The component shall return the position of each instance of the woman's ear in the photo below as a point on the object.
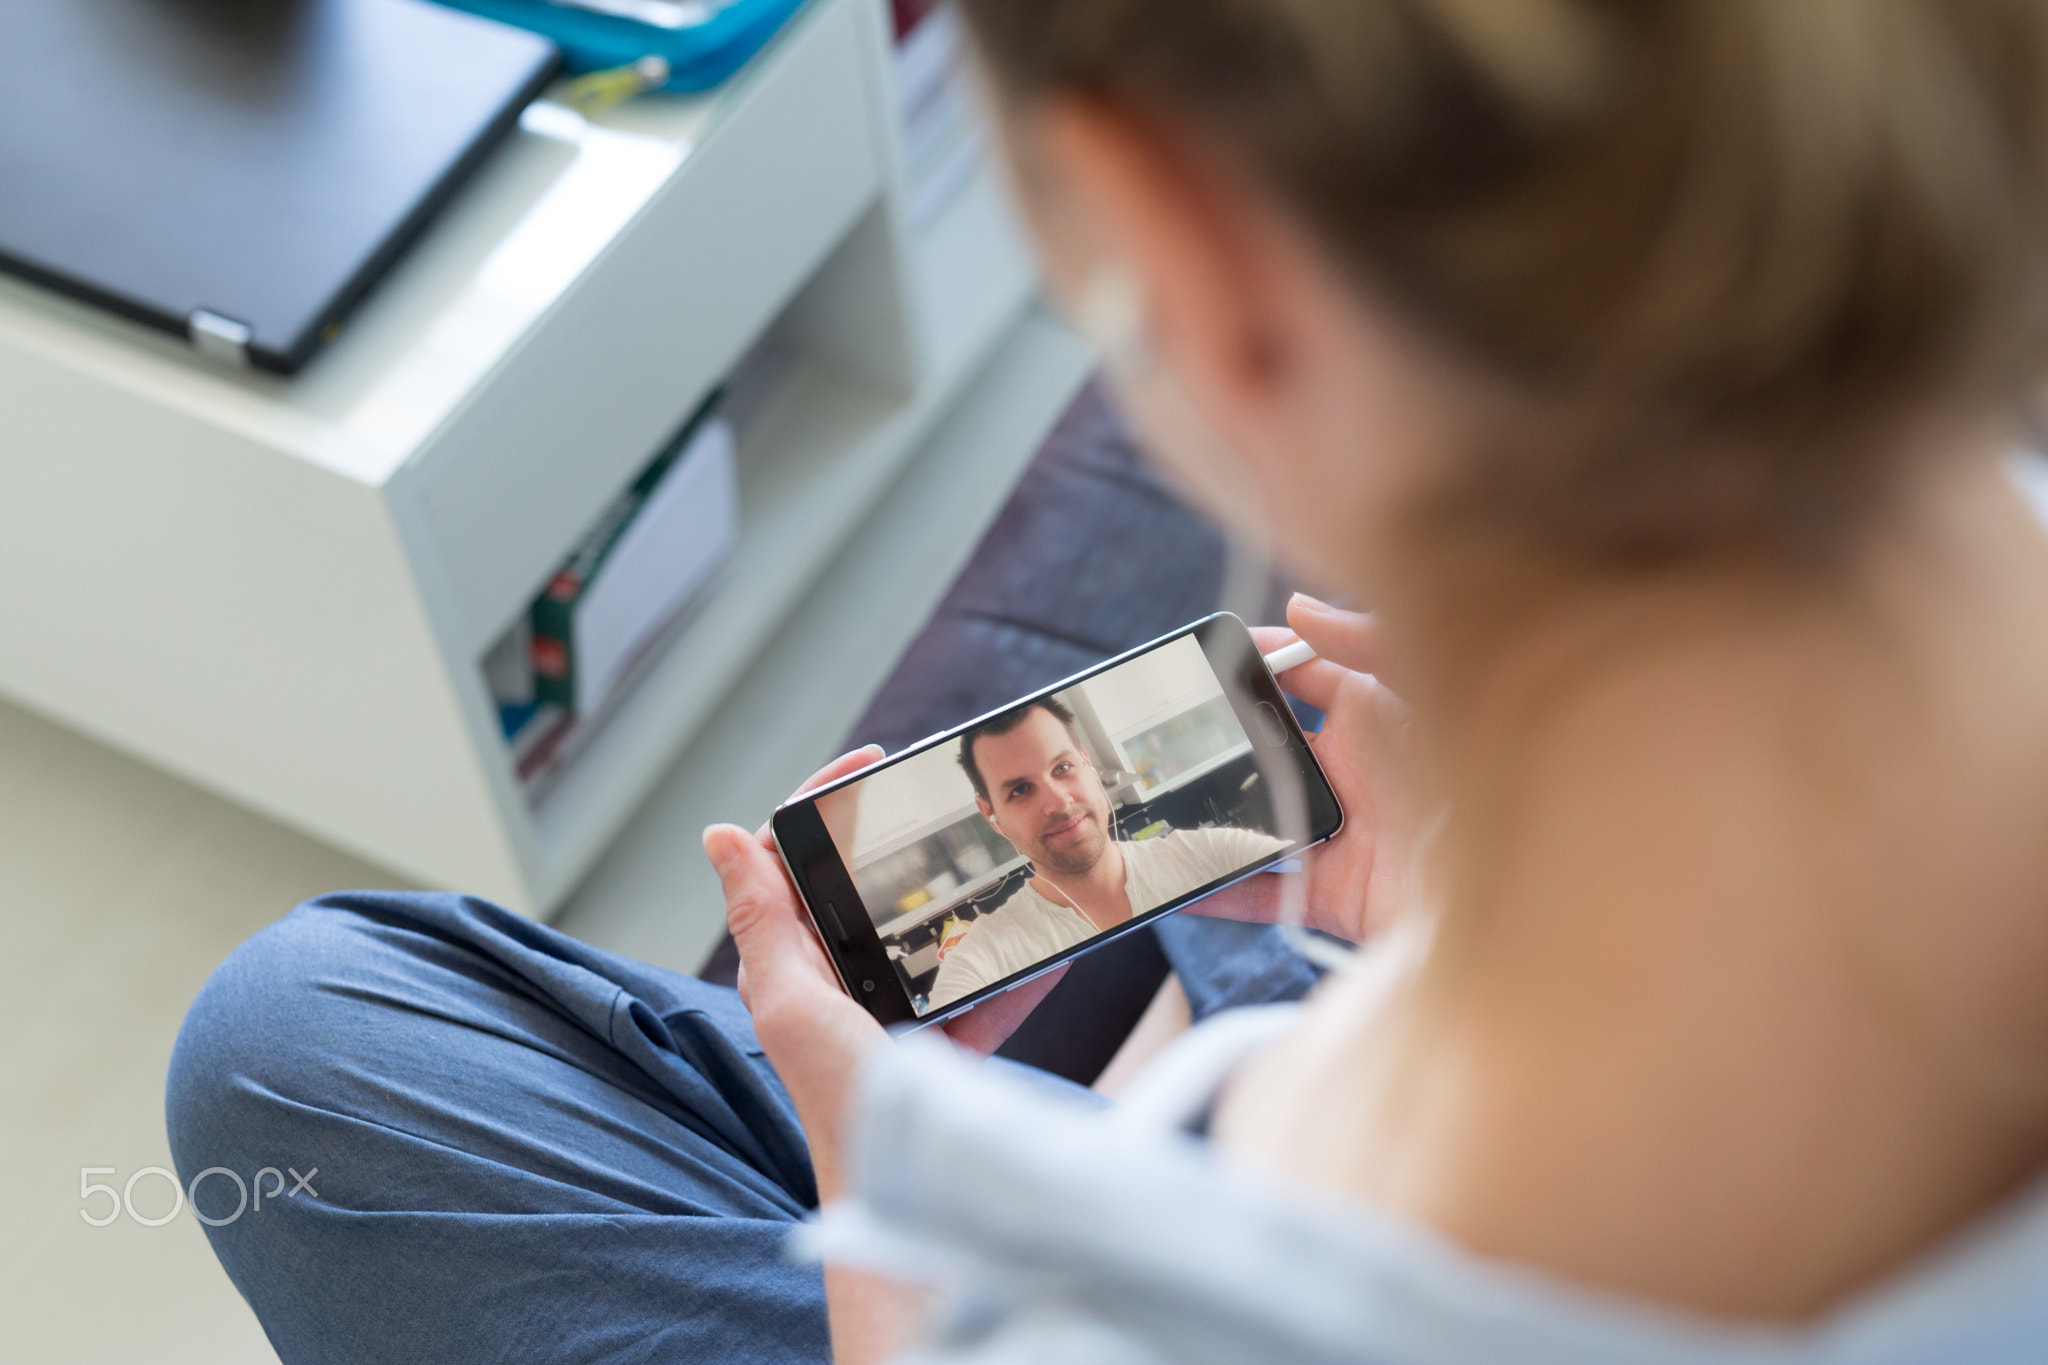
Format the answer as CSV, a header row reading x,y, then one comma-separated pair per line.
x,y
1273,386
1163,248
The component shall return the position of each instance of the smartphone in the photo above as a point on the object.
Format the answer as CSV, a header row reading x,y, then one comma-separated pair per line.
x,y
984,856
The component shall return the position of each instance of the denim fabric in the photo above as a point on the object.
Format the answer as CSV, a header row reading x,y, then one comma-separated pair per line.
x,y
518,1147
526,1149
1223,964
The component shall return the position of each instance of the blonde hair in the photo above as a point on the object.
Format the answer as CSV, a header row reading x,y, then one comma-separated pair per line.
x,y
1732,249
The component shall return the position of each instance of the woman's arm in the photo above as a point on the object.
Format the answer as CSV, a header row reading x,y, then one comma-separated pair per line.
x,y
816,1035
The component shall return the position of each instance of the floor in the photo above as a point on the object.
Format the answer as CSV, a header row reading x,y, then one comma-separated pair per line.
x,y
124,887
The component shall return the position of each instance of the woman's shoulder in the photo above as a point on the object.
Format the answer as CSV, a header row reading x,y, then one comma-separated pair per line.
x,y
1059,1221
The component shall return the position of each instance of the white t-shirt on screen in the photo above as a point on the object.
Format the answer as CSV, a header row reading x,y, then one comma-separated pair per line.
x,y
1028,928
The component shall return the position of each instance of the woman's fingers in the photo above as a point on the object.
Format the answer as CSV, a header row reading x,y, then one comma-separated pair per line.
x,y
1349,639
1346,643
768,926
756,893
989,1025
1315,682
761,907
810,1029
1270,638
841,766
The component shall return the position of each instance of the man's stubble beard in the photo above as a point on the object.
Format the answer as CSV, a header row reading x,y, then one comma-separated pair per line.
x,y
1078,866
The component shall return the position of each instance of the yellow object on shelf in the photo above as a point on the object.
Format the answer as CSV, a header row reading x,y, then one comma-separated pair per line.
x,y
592,94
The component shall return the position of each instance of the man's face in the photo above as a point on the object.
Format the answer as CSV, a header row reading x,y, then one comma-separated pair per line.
x,y
1044,794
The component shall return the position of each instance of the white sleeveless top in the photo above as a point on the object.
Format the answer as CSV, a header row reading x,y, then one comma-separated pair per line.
x,y
1072,1232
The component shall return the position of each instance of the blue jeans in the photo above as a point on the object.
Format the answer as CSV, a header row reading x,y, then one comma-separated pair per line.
x,y
515,1146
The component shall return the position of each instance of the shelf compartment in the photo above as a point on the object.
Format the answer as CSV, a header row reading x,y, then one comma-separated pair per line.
x,y
665,309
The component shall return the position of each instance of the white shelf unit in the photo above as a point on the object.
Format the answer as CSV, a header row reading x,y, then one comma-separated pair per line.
x,y
284,589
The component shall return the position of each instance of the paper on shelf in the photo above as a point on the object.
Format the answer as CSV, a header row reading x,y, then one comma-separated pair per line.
x,y
682,535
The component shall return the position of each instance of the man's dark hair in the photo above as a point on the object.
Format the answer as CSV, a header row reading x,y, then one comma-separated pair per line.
x,y
1004,722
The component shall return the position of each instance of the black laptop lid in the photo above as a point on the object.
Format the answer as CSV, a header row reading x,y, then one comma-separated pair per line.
x,y
210,166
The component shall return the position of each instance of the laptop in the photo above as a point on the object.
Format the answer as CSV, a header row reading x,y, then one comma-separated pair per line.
x,y
241,172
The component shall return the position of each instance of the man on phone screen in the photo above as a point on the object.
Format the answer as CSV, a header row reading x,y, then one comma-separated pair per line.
x,y
1035,783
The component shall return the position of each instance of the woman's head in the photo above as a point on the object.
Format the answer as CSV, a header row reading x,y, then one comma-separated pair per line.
x,y
1623,278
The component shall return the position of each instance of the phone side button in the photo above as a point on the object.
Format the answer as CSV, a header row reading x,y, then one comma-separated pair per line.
x,y
832,918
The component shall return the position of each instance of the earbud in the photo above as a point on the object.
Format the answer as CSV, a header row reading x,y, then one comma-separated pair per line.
x,y
1110,314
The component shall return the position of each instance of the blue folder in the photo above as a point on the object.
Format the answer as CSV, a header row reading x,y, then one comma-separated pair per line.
x,y
717,39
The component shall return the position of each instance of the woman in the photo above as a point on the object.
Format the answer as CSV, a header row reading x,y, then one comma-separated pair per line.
x,y
1651,370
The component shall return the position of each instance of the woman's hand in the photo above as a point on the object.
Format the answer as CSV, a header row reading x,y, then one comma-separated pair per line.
x,y
1356,880
811,1029
815,1035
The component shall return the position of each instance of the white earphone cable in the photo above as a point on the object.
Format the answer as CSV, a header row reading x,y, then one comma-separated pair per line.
x,y
1111,313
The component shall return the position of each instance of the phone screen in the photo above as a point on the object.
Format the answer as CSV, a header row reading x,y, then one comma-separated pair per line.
x,y
988,854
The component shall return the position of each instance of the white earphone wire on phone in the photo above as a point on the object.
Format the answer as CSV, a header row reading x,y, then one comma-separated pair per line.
x,y
1110,310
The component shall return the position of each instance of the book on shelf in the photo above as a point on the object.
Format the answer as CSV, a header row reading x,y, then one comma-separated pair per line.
x,y
626,582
